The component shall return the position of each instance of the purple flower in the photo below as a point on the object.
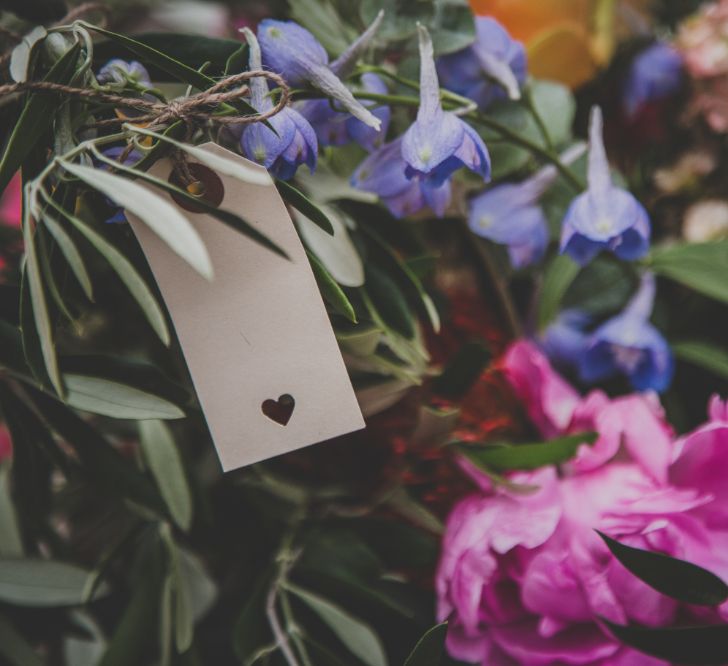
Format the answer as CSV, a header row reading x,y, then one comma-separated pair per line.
x,y
366,136
508,214
293,143
383,173
118,72
335,128
655,74
605,217
492,68
297,55
629,345
565,340
439,143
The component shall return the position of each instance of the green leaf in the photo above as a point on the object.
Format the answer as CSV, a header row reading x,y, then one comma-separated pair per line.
x,y
35,119
697,646
408,279
150,55
201,589
561,272
298,200
235,168
190,50
11,544
675,578
462,370
15,648
337,252
31,347
322,19
700,266
120,401
389,301
127,273
429,649
70,252
44,583
353,633
111,474
41,315
133,635
453,26
20,56
603,288
528,456
556,106
227,217
703,354
252,631
400,18
163,459
158,214
138,374
330,289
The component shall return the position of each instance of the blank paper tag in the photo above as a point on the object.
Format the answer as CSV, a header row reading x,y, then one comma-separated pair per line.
x,y
257,339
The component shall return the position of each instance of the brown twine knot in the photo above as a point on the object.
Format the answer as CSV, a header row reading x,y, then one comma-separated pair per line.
x,y
197,108
193,110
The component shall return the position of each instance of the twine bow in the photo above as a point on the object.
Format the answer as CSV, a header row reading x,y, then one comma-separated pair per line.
x,y
193,110
196,109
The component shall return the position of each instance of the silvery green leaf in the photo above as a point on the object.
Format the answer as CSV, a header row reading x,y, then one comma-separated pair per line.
x,y
201,588
41,315
109,398
238,168
163,459
11,544
337,253
44,583
70,252
20,56
352,632
157,213
128,275
377,398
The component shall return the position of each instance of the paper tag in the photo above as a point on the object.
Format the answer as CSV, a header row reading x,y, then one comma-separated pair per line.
x,y
257,340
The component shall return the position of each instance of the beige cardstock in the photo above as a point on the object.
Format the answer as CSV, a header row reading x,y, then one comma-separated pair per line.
x,y
257,331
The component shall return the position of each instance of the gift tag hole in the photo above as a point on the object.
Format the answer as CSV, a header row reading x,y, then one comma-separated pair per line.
x,y
206,186
279,410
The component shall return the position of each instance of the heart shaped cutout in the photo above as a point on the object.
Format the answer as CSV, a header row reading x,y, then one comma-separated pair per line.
x,y
279,410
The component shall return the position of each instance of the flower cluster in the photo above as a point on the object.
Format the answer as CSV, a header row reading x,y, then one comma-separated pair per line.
x,y
414,171
627,344
524,578
702,43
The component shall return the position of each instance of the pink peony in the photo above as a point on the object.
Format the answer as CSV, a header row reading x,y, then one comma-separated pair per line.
x,y
11,203
524,578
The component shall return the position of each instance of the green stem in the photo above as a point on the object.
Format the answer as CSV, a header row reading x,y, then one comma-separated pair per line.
x,y
453,101
527,102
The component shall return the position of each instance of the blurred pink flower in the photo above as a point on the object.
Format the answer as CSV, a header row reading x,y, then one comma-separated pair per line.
x,y
711,101
523,577
11,203
6,443
703,41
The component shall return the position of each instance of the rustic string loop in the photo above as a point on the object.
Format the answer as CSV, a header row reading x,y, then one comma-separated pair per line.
x,y
195,109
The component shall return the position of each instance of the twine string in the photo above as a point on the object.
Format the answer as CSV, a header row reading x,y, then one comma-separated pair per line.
x,y
194,110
